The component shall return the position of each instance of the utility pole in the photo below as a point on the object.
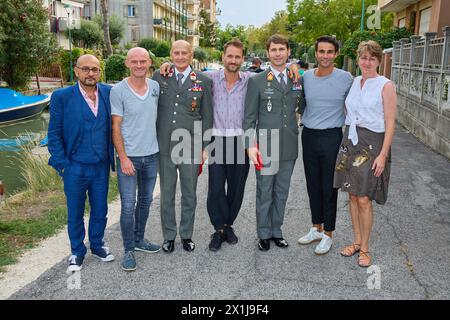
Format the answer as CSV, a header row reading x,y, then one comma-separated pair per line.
x,y
68,9
362,16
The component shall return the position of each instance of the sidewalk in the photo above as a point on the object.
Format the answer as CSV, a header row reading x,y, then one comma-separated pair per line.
x,y
410,241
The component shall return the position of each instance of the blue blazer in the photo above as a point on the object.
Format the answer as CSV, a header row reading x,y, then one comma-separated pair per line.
x,y
66,124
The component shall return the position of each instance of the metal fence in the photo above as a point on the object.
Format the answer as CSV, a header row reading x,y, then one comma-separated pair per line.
x,y
421,68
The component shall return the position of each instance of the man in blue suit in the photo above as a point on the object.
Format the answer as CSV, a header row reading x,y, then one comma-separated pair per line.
x,y
81,150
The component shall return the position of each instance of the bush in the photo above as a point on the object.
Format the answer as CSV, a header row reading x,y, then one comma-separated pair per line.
x,y
383,38
90,35
147,43
159,48
162,49
76,53
214,54
116,69
200,54
159,61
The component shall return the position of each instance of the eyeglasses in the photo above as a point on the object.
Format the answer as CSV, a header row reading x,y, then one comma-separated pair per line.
x,y
86,70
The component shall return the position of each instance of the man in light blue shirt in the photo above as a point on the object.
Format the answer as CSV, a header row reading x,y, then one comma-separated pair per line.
x,y
325,91
134,105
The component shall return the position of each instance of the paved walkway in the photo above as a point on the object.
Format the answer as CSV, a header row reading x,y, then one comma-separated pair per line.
x,y
410,241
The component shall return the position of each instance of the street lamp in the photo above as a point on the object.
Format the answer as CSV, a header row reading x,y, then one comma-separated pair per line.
x,y
362,16
68,9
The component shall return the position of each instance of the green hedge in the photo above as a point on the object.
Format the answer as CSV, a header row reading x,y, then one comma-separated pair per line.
x,y
116,69
64,58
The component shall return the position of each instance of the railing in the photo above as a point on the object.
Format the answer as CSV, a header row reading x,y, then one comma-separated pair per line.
x,y
421,68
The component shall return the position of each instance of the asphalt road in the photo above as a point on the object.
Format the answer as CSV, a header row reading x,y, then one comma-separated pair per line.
x,y
410,241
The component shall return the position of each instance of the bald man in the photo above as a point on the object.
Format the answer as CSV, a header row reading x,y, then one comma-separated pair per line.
x,y
81,150
134,106
184,115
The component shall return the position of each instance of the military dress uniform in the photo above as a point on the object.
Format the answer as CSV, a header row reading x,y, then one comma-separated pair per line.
x,y
270,110
181,106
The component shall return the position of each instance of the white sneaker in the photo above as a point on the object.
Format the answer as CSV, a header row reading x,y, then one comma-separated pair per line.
x,y
313,235
324,246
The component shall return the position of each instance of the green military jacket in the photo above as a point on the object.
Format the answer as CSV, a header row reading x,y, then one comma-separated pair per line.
x,y
268,106
180,108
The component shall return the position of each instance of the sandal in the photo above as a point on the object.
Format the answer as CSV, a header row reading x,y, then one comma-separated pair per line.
x,y
351,250
364,260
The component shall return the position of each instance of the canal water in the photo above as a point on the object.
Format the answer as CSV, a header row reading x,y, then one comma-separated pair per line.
x,y
11,137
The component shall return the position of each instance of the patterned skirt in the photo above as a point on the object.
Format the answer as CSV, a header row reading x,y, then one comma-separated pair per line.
x,y
353,171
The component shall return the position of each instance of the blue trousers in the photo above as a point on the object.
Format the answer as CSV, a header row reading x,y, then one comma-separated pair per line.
x,y
81,180
133,216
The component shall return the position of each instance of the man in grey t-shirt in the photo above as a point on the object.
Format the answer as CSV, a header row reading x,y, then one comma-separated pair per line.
x,y
134,105
325,91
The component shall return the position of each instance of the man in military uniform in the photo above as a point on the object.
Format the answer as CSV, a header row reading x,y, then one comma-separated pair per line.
x,y
271,105
184,111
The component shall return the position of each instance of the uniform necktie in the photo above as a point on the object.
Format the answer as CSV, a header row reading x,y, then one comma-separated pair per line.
x,y
283,84
180,79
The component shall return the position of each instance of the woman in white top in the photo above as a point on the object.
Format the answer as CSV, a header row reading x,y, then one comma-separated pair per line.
x,y
363,162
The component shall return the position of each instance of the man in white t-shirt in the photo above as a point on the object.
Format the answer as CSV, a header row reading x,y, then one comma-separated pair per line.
x,y
134,105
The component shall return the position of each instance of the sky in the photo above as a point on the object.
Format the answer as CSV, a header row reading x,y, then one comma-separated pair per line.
x,y
248,12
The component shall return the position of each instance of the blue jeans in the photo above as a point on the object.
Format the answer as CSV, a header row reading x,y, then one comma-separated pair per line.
x,y
79,180
133,216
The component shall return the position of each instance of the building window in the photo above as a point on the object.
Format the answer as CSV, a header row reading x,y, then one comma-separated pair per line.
x,y
402,23
132,11
135,34
425,17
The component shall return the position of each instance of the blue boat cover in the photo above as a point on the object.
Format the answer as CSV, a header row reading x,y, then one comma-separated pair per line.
x,y
10,99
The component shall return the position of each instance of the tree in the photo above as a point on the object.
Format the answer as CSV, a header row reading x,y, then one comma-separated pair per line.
x,y
106,36
200,54
159,48
89,35
309,19
207,30
116,27
162,49
230,32
383,38
257,37
27,43
148,43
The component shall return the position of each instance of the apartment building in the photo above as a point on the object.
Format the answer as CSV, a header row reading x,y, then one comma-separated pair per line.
x,y
170,19
420,16
64,14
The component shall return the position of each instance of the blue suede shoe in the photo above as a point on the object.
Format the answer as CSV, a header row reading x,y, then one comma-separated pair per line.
x,y
146,246
129,262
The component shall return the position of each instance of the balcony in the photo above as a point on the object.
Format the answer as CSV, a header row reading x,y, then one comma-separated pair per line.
x,y
192,33
157,22
395,5
63,25
192,17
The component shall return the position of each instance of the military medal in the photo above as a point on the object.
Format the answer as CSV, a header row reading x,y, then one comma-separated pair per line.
x,y
269,105
194,104
171,73
193,76
270,78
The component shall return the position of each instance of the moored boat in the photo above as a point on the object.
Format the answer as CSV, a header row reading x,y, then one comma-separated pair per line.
x,y
15,106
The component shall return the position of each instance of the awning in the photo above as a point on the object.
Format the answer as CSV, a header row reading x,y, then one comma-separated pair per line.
x,y
73,3
397,5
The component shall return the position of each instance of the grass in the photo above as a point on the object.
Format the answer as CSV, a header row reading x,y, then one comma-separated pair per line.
x,y
38,212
